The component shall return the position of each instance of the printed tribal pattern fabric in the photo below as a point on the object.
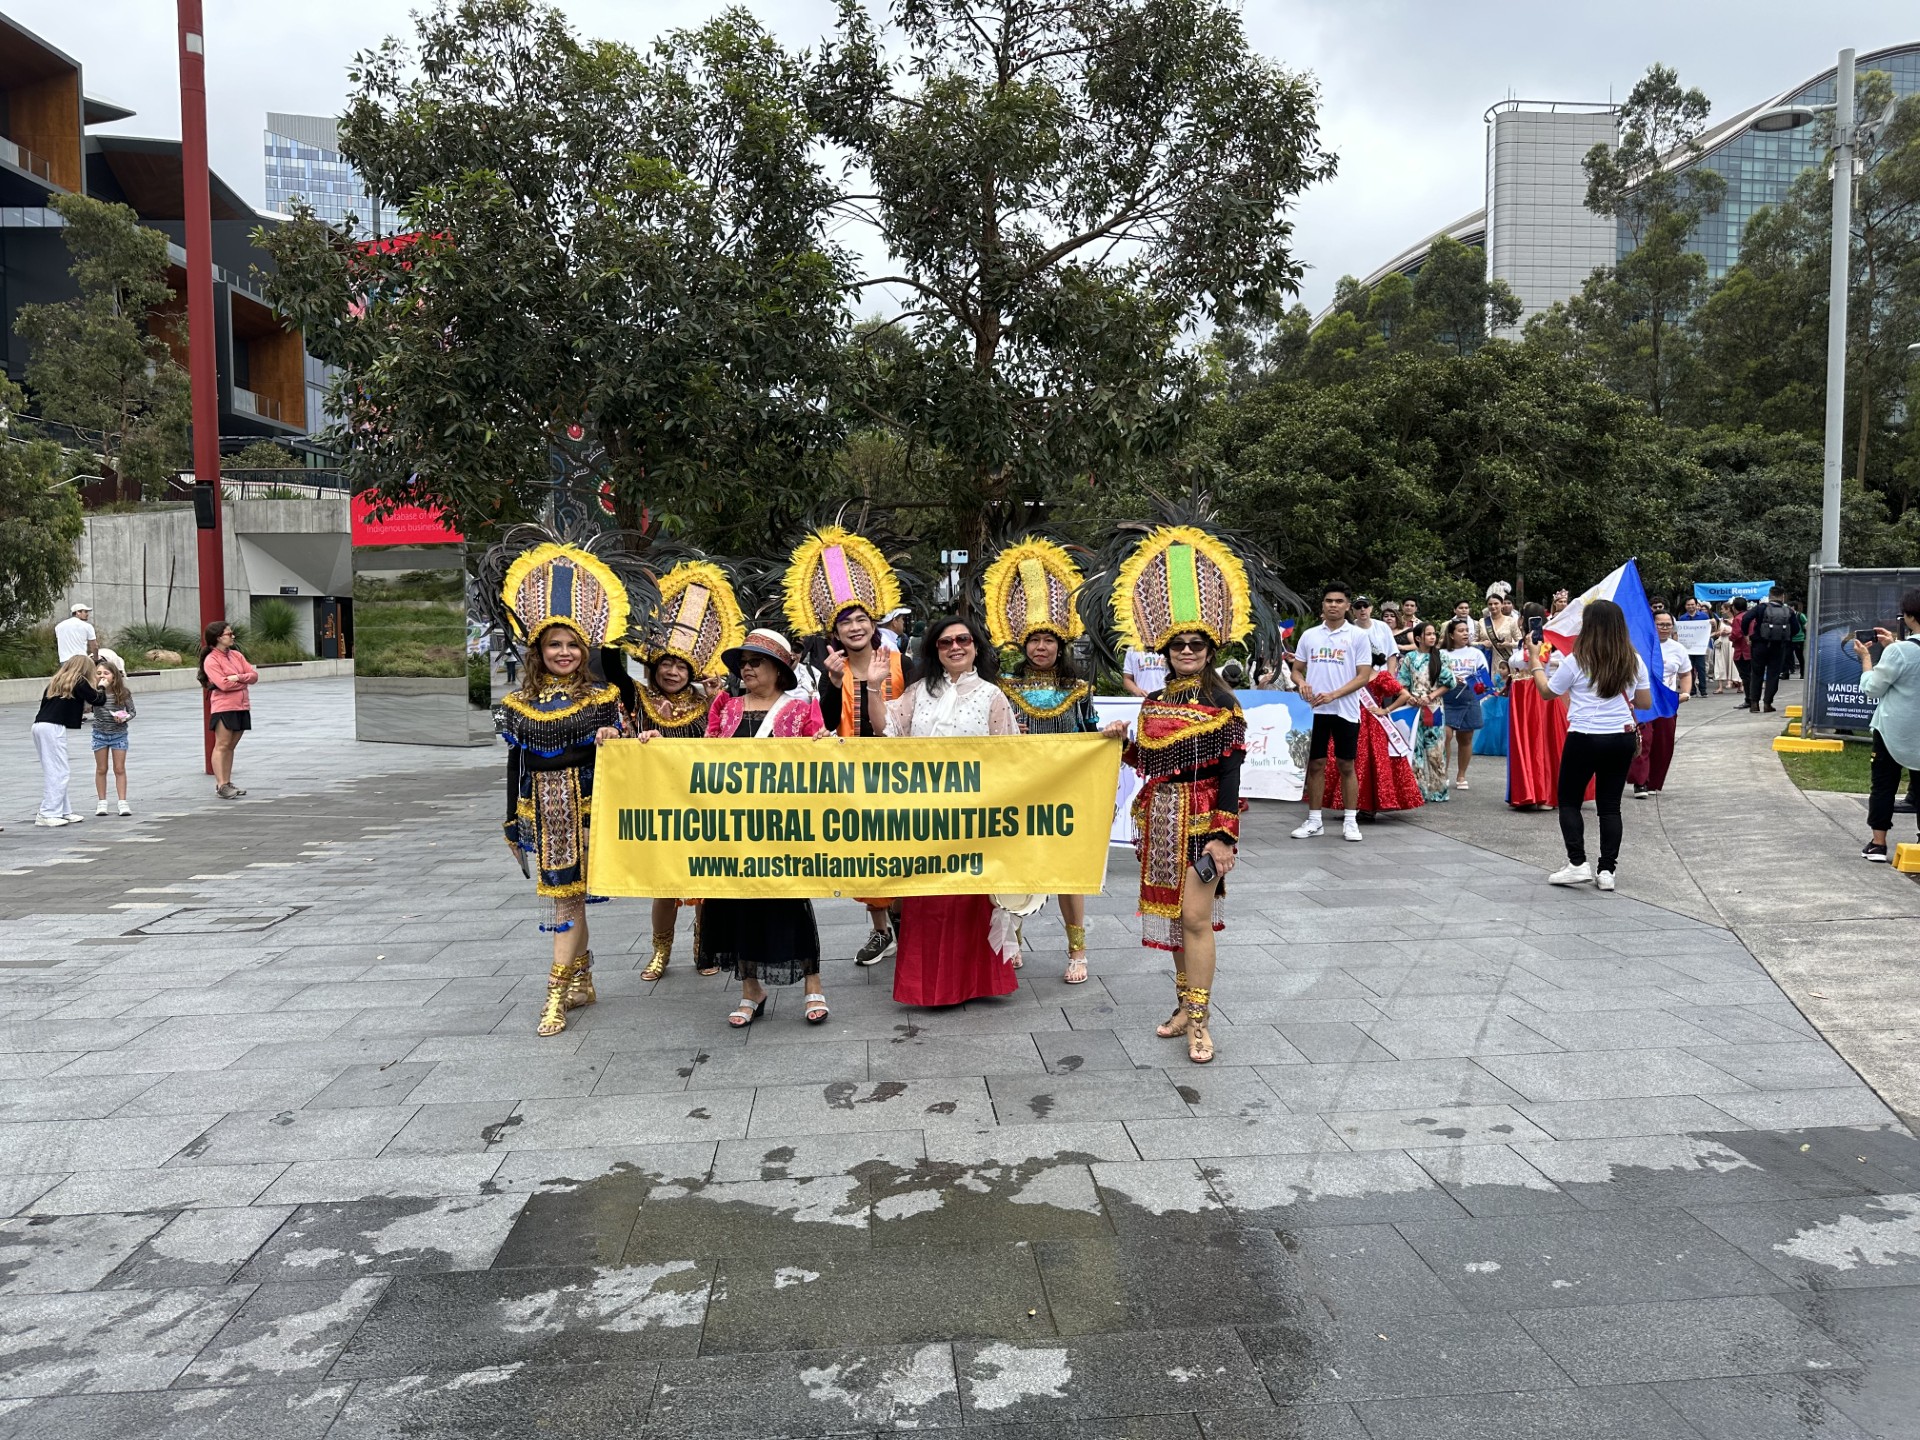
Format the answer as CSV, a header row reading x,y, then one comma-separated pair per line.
x,y
1188,755
833,571
563,585
677,717
550,753
700,617
1181,579
1029,587
1045,705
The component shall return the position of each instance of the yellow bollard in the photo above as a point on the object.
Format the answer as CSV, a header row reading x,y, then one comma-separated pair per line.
x,y
1906,858
1794,745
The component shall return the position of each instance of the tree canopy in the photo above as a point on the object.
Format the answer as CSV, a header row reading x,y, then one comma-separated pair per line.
x,y
40,520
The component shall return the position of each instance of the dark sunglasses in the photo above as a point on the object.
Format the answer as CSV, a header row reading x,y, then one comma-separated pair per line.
x,y
1185,645
955,642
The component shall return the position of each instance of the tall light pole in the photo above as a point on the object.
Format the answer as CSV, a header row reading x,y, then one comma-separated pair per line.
x,y
1843,148
201,370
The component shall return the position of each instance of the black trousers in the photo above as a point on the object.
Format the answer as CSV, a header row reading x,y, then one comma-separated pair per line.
x,y
1885,784
1765,669
1602,759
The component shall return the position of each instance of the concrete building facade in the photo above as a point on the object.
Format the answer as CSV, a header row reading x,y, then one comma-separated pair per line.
x,y
1540,237
303,162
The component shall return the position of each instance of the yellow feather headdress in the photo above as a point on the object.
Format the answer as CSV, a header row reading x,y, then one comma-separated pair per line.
x,y
1030,586
834,570
699,617
563,585
1181,579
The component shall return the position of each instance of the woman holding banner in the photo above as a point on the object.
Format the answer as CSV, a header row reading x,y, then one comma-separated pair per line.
x,y
700,619
1183,593
1029,606
954,947
764,942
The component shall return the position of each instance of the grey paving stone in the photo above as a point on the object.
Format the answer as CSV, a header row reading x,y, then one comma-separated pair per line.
x,y
456,1129
106,1340
944,1203
1329,1042
385,1237
422,1021
572,1315
1620,1030
804,1156
846,1106
536,1171
199,1247
1069,1052
1053,1144
1364,1270
1475,977
806,1393
576,1124
199,1091
517,1077
923,1057
1251,1044
1286,1422
266,1412
386,1177
1203,1137
1102,1095
1682,1340
78,1097
1222,1089
1616,1412
502,1402
1106,1375
370,1084
749,1217
1766,1407
748,1066
285,1333
1532,1262
1391,1084
1828,1244
1127,1427
1800,1109
1739,1025
911,1295
1162,1197
332,1055
1608,1075
1491,1180
1797,1065
19,1191
1132,1282
175,1188
1580,1002
1431,1125
1292,1191
1656,1170
1650,1115
43,1146
53,1036
1373,1358
43,1254
250,1136
1882,1329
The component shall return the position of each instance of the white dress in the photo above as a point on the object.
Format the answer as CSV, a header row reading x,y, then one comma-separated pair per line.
x,y
969,706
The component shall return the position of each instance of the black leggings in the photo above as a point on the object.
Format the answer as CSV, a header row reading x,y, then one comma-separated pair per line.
x,y
1603,759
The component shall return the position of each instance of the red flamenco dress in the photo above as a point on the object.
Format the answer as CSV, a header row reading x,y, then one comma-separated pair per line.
x,y
1536,734
1188,754
1384,774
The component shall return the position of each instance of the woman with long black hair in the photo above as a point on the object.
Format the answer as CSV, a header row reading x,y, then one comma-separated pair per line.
x,y
1605,681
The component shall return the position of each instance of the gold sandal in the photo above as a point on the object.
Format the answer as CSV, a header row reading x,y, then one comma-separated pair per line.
x,y
580,989
662,953
1176,1023
1076,955
1199,1038
553,1018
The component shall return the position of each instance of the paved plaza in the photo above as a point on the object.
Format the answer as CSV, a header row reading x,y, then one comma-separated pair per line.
x,y
283,1158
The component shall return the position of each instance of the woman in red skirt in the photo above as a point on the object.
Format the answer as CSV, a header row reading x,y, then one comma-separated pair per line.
x,y
1382,766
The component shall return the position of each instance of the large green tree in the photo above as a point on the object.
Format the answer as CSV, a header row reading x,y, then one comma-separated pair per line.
x,y
95,363
1629,319
1061,187
630,243
40,520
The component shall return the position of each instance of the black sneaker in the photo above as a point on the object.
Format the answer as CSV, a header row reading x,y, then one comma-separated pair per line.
x,y
875,950
1874,851
1640,792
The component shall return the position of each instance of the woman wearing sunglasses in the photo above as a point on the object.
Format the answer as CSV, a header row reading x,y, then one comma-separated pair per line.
x,y
950,949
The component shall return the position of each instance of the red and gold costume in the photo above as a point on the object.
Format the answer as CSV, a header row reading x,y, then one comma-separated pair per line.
x,y
1188,753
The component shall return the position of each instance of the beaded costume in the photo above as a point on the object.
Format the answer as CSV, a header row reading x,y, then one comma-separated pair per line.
x,y
1029,589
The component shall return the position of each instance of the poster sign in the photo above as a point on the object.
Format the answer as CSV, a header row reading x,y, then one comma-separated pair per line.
x,y
1849,600
406,525
1696,635
997,815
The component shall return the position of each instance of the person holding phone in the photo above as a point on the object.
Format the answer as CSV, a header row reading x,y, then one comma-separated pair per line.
x,y
1894,683
1605,681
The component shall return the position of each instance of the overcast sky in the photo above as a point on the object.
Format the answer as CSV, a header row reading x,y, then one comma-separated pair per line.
x,y
1404,82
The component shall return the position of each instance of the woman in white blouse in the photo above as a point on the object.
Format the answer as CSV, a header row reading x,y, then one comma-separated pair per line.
x,y
948,951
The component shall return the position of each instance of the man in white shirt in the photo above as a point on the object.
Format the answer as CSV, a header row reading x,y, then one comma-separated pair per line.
x,y
75,635
1332,664
893,630
1648,773
1145,671
1379,633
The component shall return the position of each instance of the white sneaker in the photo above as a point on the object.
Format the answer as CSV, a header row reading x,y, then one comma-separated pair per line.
x,y
1350,829
73,819
1310,829
101,808
52,822
1571,874
1604,880
125,808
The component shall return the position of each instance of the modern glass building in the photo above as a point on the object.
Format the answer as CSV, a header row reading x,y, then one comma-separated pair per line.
x,y
1538,234
304,162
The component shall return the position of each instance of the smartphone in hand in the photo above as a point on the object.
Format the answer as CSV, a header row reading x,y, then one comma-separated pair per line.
x,y
1206,868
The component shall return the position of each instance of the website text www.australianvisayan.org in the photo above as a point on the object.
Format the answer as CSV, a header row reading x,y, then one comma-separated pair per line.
x,y
832,867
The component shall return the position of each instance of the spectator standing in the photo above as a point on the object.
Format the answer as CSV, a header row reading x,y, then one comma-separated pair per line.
x,y
1385,643
1467,667
893,629
1145,673
1742,643
1769,640
67,694
1409,622
1604,681
1725,675
110,721
1700,647
1332,664
75,635
1390,616
1648,773
224,672
1894,683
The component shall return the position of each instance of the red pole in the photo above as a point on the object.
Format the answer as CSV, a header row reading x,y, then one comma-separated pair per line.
x,y
198,213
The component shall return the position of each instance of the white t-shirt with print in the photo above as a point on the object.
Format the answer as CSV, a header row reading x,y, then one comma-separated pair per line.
x,y
1675,660
1591,714
1333,658
1147,669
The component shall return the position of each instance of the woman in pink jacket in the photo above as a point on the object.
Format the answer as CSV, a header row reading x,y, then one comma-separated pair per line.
x,y
225,673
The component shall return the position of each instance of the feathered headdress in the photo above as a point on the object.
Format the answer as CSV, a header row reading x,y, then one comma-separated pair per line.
x,y
832,571
1500,588
1030,586
598,587
699,617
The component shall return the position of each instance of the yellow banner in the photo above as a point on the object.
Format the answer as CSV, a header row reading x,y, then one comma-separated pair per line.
x,y
694,819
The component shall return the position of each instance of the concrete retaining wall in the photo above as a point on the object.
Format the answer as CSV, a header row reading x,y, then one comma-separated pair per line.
x,y
28,692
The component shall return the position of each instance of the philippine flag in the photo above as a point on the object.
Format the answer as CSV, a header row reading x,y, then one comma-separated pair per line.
x,y
1623,587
